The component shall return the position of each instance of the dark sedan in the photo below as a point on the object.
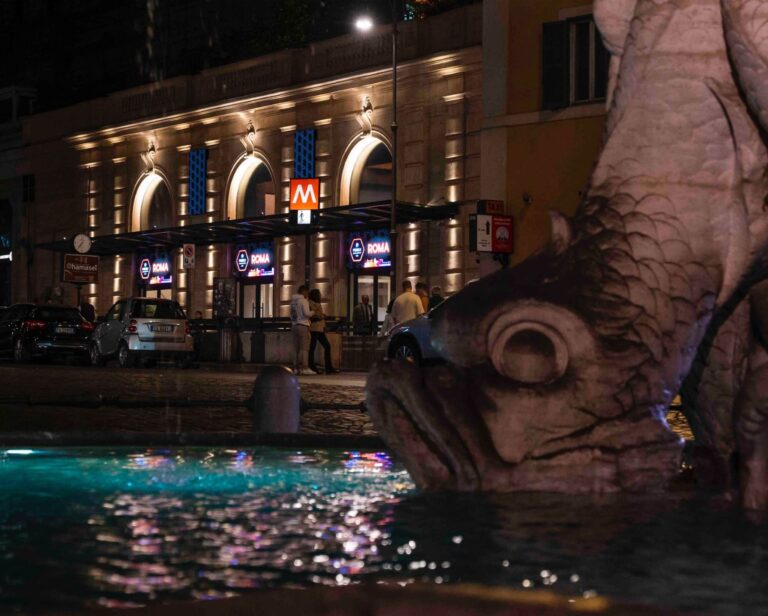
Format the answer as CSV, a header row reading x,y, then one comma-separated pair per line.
x,y
28,332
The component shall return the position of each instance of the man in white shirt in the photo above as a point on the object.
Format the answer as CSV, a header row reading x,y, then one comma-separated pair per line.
x,y
407,306
300,317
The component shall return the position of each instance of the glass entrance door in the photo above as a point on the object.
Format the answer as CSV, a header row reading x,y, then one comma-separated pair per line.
x,y
159,293
376,287
257,300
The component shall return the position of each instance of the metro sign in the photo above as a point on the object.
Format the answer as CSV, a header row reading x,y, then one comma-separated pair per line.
x,y
241,261
305,194
145,269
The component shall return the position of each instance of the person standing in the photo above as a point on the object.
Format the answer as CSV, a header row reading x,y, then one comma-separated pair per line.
x,y
317,333
388,323
407,306
300,320
362,317
421,291
436,298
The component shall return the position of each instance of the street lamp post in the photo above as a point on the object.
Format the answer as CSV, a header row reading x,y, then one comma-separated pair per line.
x,y
393,205
364,24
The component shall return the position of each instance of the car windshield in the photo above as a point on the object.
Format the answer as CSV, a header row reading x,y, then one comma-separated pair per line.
x,y
156,310
57,314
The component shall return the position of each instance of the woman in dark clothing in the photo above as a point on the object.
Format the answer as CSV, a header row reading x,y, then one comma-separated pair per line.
x,y
317,333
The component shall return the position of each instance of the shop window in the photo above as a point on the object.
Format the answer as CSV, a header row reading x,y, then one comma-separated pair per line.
x,y
574,63
27,188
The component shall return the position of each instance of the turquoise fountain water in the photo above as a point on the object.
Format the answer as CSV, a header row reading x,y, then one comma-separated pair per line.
x,y
116,527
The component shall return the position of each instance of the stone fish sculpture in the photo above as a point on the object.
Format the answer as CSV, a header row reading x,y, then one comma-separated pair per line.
x,y
559,372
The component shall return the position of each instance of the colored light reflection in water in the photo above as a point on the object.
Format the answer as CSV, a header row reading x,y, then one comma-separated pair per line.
x,y
136,526
128,527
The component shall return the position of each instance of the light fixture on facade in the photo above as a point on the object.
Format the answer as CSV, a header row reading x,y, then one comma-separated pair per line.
x,y
364,23
249,140
149,157
365,116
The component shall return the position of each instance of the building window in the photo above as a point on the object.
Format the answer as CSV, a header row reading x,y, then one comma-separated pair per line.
x,y
27,188
574,63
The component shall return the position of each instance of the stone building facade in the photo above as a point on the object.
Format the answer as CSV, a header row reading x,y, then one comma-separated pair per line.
x,y
120,165
475,122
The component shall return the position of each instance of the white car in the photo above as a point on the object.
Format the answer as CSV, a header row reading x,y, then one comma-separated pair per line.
x,y
411,340
142,329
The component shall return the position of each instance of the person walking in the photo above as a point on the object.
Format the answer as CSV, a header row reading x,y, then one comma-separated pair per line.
x,y
407,306
300,321
387,323
436,298
362,317
317,333
421,291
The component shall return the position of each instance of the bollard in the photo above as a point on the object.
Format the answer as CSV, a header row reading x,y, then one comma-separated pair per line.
x,y
275,403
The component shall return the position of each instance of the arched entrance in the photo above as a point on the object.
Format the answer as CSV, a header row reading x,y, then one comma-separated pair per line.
x,y
251,193
152,208
366,175
251,188
152,205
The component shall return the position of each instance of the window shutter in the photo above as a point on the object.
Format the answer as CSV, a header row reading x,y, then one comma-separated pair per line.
x,y
602,62
556,61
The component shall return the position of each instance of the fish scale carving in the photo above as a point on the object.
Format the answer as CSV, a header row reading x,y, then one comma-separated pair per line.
x,y
559,372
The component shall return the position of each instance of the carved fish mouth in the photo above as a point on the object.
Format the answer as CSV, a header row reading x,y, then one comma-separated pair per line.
x,y
429,417
426,416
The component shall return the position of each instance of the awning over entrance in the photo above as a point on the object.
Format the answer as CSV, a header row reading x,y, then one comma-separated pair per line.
x,y
349,218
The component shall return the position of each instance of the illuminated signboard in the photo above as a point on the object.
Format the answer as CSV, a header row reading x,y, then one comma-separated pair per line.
x,y
305,193
368,250
155,270
255,260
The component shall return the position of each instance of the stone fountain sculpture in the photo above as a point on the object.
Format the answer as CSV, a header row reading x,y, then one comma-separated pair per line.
x,y
559,372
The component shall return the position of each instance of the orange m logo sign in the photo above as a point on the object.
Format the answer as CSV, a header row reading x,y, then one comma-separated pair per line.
x,y
305,194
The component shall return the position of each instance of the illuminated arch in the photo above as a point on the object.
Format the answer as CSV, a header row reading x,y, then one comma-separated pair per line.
x,y
143,193
353,163
242,172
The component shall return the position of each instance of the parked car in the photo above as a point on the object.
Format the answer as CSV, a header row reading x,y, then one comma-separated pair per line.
x,y
142,330
29,331
411,340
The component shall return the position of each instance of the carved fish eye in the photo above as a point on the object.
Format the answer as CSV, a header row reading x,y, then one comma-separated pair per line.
x,y
527,352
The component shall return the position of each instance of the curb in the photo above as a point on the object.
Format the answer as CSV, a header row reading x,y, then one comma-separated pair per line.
x,y
202,439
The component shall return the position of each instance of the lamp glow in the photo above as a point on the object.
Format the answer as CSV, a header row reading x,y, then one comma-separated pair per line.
x,y
364,24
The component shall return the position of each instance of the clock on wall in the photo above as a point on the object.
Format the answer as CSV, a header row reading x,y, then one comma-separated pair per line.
x,y
82,243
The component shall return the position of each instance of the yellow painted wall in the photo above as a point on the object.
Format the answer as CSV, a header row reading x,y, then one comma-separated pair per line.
x,y
552,162
550,159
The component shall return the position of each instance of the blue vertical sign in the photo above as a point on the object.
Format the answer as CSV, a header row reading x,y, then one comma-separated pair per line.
x,y
198,171
304,153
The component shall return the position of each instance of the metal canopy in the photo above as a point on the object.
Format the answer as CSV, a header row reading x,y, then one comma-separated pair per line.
x,y
348,218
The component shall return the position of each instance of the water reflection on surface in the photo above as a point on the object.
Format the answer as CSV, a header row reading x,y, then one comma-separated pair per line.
x,y
125,528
